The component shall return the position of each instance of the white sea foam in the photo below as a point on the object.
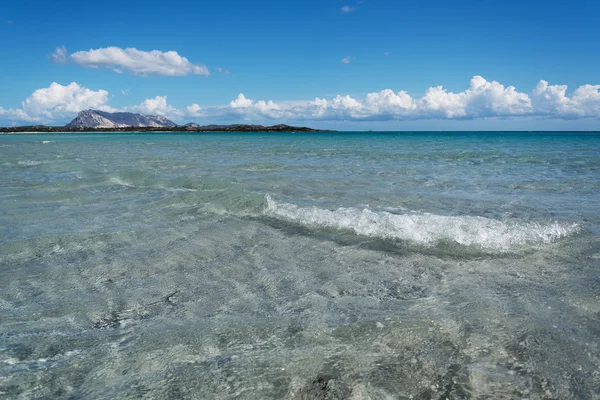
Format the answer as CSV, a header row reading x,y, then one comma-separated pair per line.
x,y
29,163
424,229
115,180
178,190
48,141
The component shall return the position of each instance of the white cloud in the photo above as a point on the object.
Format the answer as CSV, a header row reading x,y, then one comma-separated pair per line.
x,y
61,103
249,109
586,98
138,62
347,9
194,110
389,103
438,102
493,99
59,56
348,59
56,101
553,100
482,99
241,102
157,106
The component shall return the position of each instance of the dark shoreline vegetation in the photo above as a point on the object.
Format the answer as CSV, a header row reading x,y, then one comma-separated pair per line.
x,y
206,128
242,128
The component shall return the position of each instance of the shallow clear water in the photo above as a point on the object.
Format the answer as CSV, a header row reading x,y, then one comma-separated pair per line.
x,y
299,266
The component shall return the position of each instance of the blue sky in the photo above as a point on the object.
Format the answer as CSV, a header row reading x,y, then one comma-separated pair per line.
x,y
336,64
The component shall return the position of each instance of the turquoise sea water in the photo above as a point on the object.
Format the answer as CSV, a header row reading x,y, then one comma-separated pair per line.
x,y
300,266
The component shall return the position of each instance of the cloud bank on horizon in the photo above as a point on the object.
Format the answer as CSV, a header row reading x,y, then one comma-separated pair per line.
x,y
482,99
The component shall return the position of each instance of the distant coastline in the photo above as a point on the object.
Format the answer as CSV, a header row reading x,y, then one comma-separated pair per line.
x,y
90,121
244,128
208,128
97,121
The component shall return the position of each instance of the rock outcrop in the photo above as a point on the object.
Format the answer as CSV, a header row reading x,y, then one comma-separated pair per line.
x,y
103,119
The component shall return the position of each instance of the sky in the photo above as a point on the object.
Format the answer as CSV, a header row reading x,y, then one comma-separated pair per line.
x,y
347,65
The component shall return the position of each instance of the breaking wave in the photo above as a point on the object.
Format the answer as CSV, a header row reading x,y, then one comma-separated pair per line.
x,y
424,229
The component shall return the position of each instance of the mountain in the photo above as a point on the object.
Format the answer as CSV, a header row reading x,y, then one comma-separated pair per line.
x,y
102,119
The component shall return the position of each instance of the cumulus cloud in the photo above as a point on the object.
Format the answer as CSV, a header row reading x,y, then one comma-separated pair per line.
x,y
59,56
387,102
60,103
587,99
57,100
194,110
249,109
481,99
157,106
553,100
138,62
241,102
348,9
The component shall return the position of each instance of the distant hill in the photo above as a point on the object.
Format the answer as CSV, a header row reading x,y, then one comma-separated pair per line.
x,y
102,119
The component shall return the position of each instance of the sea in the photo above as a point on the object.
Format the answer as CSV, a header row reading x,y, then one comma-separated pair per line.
x,y
354,265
